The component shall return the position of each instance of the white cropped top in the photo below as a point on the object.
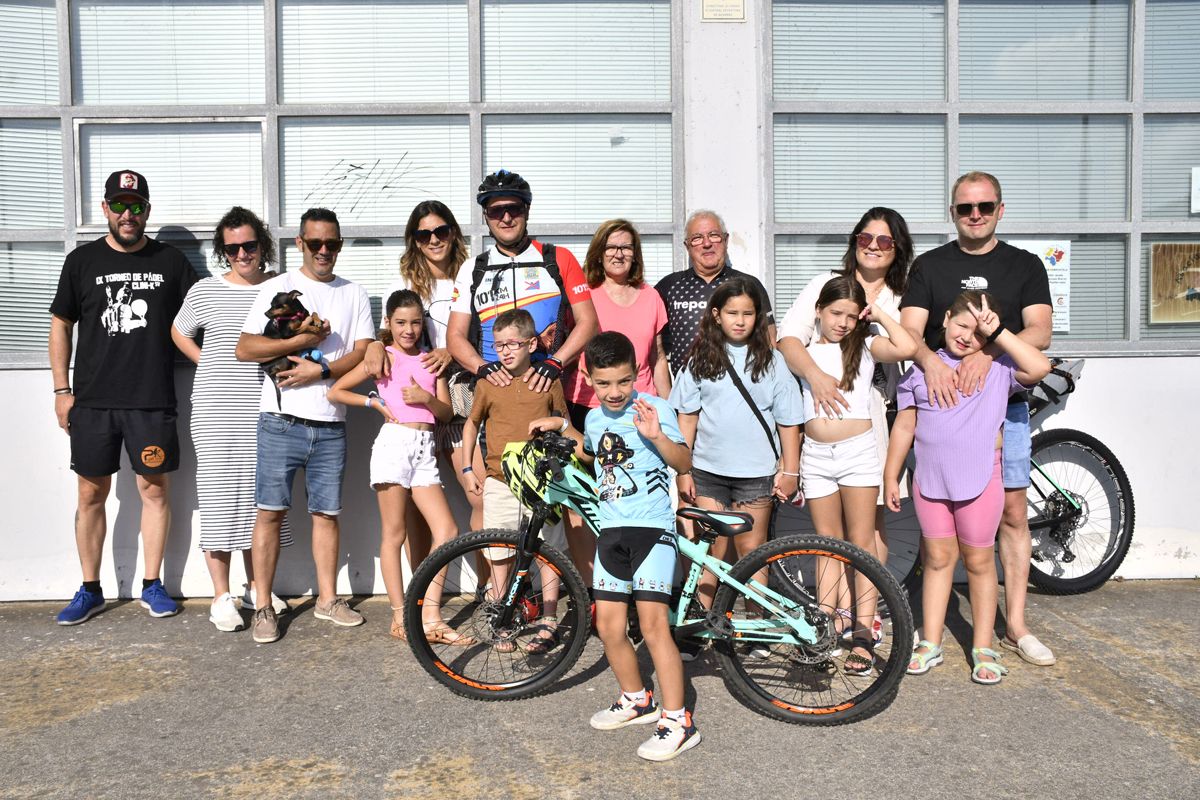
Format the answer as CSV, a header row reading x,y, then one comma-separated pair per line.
x,y
828,358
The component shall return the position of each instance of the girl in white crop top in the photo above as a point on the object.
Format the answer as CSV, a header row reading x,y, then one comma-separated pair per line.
x,y
839,464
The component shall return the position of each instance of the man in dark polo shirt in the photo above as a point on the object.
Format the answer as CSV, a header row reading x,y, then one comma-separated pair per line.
x,y
978,260
686,293
123,291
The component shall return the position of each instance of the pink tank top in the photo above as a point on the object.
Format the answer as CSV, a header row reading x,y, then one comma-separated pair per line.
x,y
405,369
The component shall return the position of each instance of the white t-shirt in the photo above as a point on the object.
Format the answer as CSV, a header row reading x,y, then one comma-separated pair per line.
x,y
437,310
347,309
828,358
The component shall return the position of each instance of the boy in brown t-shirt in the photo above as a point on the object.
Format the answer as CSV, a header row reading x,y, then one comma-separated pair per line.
x,y
508,410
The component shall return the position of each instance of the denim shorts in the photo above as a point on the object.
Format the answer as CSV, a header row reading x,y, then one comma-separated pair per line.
x,y
285,446
730,492
1015,466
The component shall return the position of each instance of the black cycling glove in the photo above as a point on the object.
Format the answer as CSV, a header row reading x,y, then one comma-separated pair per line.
x,y
487,369
550,368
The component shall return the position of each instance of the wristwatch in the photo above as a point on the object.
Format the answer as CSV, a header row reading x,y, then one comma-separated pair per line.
x,y
325,372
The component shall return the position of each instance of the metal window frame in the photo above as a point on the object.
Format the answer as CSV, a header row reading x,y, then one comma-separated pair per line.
x,y
1134,228
72,115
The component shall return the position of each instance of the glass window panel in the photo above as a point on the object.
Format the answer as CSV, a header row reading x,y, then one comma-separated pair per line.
x,y
1170,273
1172,33
1060,167
547,50
799,259
197,247
1097,301
835,166
28,279
372,170
31,180
586,168
131,52
373,51
28,52
1043,49
657,252
195,171
830,50
1172,150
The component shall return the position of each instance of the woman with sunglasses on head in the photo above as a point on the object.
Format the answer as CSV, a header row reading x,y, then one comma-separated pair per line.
x,y
878,254
225,397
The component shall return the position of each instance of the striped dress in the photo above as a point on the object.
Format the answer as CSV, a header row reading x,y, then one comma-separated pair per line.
x,y
224,421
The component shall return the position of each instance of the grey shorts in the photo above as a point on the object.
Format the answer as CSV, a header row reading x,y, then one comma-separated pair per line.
x,y
730,492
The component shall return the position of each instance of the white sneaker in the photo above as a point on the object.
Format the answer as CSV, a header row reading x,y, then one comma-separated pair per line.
x,y
626,712
250,601
225,615
670,739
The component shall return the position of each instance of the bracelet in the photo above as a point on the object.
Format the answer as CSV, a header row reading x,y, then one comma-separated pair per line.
x,y
566,424
995,334
63,390
368,401
467,470
681,474
789,474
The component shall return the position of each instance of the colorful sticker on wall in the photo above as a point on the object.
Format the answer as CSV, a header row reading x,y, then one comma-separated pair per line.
x,y
1056,258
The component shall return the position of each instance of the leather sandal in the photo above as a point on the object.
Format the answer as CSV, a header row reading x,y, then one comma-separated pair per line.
x,y
441,633
398,625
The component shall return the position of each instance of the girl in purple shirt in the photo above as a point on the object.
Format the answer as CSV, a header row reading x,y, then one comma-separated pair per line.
x,y
957,491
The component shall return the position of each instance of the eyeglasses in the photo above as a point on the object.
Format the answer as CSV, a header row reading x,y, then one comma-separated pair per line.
x,y
442,232
135,208
986,209
512,344
613,249
712,237
497,212
314,245
882,241
231,250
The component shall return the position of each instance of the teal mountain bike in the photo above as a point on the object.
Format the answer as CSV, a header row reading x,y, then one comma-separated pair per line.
x,y
781,645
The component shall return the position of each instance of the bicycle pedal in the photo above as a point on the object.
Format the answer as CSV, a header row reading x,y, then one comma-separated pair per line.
x,y
718,624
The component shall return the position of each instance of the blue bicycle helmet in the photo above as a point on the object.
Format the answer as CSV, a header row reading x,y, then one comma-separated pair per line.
x,y
503,183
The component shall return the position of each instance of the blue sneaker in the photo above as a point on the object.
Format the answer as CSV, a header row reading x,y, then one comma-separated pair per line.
x,y
156,599
81,608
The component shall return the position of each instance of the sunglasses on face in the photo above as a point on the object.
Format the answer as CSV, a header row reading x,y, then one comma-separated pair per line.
x,y
882,241
497,212
314,245
986,209
442,232
231,250
135,208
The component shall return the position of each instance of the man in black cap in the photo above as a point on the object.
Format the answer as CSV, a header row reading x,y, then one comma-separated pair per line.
x,y
123,290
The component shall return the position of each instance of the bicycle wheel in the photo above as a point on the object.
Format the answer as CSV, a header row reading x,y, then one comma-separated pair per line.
x,y
807,684
1077,549
497,665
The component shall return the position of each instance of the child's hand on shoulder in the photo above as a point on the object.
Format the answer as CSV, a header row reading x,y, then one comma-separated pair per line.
x,y
414,395
645,419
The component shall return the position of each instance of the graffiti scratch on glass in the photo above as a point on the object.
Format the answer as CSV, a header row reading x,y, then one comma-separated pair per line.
x,y
348,184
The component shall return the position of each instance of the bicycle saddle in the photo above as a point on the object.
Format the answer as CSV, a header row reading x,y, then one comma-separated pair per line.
x,y
721,523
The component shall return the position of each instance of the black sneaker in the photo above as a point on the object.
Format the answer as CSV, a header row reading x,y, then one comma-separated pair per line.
x,y
689,649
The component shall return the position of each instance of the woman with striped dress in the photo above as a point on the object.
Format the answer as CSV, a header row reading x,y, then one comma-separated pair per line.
x,y
225,398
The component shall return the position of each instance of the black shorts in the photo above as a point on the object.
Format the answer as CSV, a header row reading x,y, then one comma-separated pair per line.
x,y
149,436
634,561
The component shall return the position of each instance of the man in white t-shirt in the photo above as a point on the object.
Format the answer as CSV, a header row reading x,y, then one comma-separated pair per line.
x,y
298,427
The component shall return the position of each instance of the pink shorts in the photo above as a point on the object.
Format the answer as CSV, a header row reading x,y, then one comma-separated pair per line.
x,y
973,521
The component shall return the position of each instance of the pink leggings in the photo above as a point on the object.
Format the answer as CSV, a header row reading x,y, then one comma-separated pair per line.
x,y
973,521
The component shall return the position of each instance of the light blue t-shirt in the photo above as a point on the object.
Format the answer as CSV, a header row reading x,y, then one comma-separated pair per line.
x,y
729,439
632,479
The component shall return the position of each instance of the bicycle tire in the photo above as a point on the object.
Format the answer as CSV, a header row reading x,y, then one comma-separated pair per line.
x,y
480,670
800,684
1100,537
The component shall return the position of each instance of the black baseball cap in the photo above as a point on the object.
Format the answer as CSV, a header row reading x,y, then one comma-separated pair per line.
x,y
126,182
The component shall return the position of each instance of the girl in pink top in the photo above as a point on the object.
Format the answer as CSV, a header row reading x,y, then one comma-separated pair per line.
x,y
403,464
957,491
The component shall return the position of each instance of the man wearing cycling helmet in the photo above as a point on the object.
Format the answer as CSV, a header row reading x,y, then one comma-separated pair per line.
x,y
519,272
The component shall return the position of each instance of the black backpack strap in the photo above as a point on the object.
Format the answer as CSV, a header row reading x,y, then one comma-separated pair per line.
x,y
474,331
741,387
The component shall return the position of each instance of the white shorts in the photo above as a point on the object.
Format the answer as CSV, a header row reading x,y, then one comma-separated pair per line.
x,y
404,456
501,509
850,462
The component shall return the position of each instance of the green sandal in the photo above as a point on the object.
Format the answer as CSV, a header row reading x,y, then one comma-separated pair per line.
x,y
927,660
987,673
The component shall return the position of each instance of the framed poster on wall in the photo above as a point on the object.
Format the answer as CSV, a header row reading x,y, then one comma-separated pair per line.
x,y
1175,283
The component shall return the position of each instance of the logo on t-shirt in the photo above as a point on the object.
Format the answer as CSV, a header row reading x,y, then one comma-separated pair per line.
x,y
614,456
122,311
975,283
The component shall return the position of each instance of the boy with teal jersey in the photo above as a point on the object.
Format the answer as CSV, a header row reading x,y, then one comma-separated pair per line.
x,y
635,441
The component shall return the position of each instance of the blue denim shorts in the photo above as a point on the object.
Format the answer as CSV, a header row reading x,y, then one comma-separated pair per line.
x,y
285,446
1014,465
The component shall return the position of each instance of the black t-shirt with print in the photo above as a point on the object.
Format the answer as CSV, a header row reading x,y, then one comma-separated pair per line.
x,y
686,295
1015,277
123,304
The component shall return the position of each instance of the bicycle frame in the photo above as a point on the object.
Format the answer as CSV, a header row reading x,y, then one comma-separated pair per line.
x,y
1076,506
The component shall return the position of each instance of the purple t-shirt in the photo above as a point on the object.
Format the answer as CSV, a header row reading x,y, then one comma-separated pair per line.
x,y
956,447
